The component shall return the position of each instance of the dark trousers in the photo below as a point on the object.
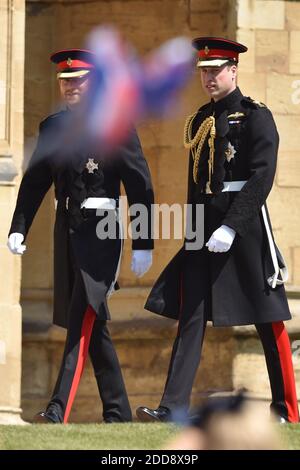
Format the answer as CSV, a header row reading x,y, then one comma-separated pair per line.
x,y
187,348
87,334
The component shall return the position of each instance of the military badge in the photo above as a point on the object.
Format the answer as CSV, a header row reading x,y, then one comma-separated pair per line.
x,y
91,166
230,152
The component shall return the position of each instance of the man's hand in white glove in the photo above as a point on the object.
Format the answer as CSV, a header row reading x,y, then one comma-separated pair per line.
x,y
14,243
221,240
141,261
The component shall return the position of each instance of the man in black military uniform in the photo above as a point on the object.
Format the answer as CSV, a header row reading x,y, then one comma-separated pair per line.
x,y
87,189
237,277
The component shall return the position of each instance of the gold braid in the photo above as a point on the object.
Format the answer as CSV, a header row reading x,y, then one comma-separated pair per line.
x,y
196,143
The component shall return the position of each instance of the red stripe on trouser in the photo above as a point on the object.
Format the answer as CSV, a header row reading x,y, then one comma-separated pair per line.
x,y
285,357
85,337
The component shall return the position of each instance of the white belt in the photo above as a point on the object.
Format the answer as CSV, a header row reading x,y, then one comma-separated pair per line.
x,y
233,185
99,203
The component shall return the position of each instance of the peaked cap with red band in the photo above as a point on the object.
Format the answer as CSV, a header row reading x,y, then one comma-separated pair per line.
x,y
215,52
73,62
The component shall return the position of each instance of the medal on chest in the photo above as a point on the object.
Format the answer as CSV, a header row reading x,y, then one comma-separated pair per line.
x,y
230,152
91,165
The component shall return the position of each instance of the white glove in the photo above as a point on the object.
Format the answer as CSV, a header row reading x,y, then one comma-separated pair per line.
x,y
141,261
14,243
221,240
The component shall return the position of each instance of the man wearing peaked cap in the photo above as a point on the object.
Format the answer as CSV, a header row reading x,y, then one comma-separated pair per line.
x,y
237,276
73,62
75,70
215,52
86,266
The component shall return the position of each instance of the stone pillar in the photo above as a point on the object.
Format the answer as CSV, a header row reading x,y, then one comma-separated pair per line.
x,y
12,16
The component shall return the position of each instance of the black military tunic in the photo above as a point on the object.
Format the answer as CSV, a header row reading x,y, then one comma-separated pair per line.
x,y
235,282
61,156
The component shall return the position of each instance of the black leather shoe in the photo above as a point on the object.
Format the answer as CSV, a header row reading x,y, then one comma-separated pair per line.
x,y
147,415
50,416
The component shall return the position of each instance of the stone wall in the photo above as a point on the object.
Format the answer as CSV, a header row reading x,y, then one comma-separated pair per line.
x,y
232,359
268,72
54,25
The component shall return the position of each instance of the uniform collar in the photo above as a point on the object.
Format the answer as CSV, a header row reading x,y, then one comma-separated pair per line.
x,y
227,102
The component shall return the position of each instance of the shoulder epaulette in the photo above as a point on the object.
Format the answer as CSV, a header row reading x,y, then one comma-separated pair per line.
x,y
254,103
